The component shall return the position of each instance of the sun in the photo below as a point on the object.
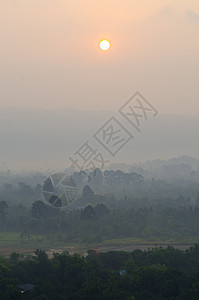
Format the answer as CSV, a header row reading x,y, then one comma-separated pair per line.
x,y
104,45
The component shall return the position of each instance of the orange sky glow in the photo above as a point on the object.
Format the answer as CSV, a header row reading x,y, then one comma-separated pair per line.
x,y
50,55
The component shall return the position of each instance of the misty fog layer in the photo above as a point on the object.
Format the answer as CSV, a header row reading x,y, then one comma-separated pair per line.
x,y
45,139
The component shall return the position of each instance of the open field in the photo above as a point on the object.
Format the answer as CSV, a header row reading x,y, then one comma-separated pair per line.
x,y
14,242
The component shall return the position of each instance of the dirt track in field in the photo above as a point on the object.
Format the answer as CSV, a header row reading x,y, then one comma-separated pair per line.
x,y
130,248
82,250
127,248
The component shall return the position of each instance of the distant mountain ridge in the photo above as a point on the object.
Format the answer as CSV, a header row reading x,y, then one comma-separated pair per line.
x,y
186,160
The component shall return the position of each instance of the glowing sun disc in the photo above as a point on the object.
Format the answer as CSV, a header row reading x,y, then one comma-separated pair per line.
x,y
104,45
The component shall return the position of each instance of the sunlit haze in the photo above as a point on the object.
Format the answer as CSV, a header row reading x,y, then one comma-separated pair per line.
x,y
99,149
50,54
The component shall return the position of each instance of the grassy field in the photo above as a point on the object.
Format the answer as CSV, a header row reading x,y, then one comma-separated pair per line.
x,y
14,242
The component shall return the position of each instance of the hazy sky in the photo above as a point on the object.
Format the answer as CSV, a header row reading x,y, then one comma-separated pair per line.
x,y
49,54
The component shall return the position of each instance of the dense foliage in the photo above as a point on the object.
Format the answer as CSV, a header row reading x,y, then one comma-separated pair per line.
x,y
144,209
97,223
130,207
155,274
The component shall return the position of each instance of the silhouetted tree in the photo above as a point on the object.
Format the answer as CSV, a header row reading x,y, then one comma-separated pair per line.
x,y
88,213
38,209
88,193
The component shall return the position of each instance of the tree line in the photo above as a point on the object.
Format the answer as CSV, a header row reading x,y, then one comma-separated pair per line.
x,y
153,274
95,223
